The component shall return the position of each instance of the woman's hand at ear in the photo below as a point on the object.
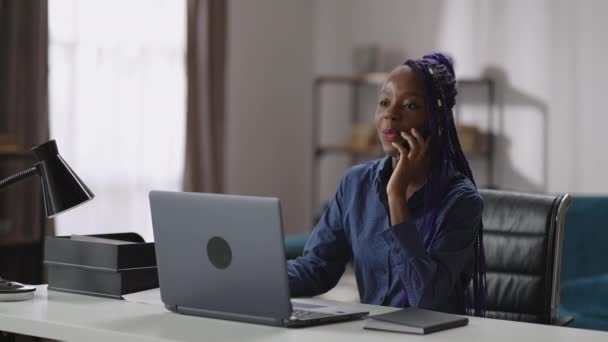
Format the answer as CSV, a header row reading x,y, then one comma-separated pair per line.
x,y
411,167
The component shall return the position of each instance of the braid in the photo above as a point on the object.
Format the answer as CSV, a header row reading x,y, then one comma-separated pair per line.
x,y
436,74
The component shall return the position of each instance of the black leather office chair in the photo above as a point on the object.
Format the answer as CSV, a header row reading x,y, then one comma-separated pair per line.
x,y
523,246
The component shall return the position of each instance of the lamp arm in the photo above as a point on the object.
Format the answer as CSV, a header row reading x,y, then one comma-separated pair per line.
x,y
5,183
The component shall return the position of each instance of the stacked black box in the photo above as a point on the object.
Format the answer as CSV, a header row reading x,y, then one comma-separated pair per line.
x,y
106,265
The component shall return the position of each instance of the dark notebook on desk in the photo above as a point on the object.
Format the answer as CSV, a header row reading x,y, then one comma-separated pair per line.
x,y
415,321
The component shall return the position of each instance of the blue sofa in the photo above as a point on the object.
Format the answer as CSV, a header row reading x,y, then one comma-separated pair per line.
x,y
294,245
584,274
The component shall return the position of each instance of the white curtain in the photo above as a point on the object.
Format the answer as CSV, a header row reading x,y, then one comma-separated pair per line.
x,y
554,54
117,106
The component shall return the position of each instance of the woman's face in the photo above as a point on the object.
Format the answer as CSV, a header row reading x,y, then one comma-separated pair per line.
x,y
401,107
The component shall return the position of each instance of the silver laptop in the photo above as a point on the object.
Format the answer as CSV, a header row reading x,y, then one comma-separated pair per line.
x,y
223,256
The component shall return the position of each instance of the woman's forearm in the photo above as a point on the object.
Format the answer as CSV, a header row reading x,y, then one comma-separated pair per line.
x,y
399,211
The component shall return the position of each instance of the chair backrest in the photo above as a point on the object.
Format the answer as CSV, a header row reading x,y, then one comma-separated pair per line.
x,y
523,244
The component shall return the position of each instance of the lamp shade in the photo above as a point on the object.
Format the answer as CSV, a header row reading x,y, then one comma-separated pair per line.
x,y
61,187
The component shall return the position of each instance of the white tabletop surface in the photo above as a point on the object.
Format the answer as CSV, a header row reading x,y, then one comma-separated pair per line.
x,y
64,316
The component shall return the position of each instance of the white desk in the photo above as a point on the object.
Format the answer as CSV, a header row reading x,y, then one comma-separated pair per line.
x,y
64,316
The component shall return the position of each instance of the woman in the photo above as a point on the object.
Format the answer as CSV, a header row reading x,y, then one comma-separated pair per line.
x,y
410,222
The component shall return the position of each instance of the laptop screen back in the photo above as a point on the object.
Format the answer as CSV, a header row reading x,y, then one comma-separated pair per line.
x,y
221,253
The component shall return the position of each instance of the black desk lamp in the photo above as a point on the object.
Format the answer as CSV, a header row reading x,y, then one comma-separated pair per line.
x,y
62,190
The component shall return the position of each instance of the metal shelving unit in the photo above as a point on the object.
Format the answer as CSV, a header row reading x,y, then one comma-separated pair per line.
x,y
355,83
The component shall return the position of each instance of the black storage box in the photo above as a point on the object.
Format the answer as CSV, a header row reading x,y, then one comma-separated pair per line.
x,y
106,265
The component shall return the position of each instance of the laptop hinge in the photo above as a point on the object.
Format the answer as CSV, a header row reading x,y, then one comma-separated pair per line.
x,y
231,316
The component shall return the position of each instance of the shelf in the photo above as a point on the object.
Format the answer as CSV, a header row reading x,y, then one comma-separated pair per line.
x,y
377,78
478,150
374,78
473,81
346,149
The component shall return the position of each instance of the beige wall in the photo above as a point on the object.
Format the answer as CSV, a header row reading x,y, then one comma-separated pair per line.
x,y
549,53
276,46
270,67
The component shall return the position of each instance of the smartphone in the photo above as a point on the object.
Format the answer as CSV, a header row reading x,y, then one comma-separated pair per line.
x,y
425,134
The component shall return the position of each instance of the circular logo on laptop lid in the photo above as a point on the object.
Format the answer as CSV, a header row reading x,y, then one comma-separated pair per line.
x,y
219,252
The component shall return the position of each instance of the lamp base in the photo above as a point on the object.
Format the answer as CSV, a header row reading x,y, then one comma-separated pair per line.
x,y
11,291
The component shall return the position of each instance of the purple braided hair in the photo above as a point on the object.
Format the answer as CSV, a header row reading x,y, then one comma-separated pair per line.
x,y
436,73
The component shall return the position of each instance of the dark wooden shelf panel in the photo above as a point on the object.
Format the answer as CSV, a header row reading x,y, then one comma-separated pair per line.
x,y
10,153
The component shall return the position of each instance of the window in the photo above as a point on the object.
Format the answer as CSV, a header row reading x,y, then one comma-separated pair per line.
x,y
117,106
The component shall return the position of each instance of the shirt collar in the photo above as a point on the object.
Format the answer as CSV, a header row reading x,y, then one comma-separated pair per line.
x,y
384,169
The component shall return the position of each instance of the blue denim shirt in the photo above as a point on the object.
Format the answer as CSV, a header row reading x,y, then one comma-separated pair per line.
x,y
393,265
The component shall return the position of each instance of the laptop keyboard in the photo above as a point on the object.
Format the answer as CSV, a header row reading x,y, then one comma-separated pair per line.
x,y
304,314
